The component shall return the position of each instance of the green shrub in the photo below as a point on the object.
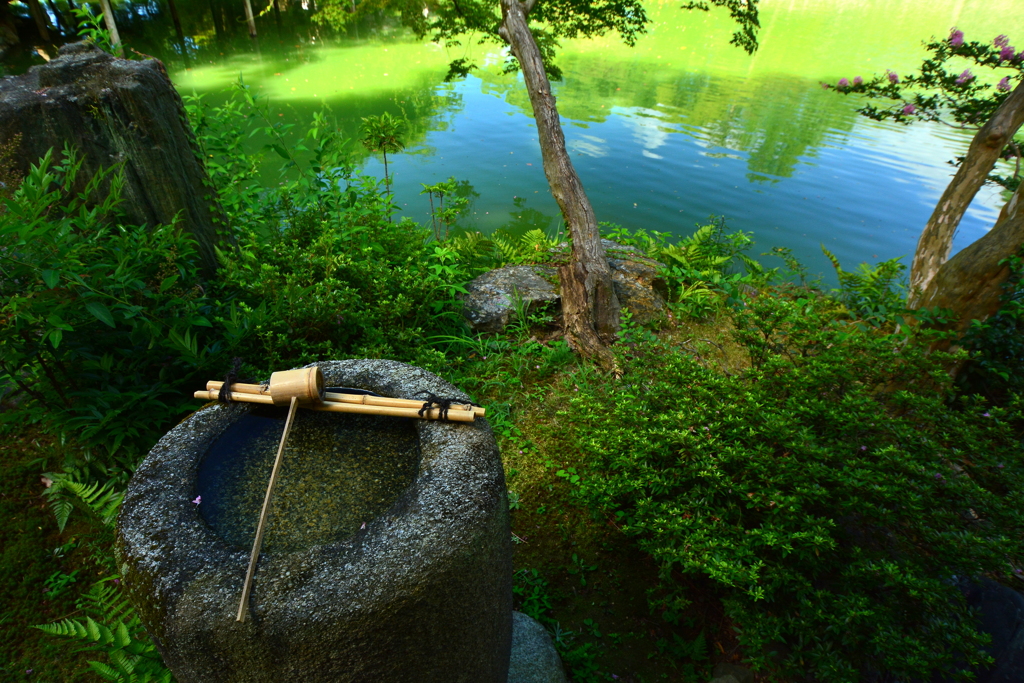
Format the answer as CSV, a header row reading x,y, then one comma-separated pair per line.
x,y
102,321
833,492
319,270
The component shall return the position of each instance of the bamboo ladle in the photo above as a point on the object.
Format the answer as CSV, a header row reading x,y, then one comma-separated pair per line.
x,y
305,385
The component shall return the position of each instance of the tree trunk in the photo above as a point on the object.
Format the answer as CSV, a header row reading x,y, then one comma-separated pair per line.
x,y
39,16
937,237
108,17
590,308
249,18
971,283
218,29
177,22
116,111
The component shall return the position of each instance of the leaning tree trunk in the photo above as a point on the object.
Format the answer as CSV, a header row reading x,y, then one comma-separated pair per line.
x,y
971,283
116,111
936,239
590,309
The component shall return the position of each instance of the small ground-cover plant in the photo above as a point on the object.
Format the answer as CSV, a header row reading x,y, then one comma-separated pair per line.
x,y
833,491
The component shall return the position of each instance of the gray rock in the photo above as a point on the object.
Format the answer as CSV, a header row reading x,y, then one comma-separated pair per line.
x,y
637,284
727,678
534,659
490,300
489,303
115,110
738,673
423,593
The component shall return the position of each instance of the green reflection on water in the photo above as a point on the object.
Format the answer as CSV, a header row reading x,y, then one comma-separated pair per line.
x,y
680,126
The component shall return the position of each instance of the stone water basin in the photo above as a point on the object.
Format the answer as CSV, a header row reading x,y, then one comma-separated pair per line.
x,y
338,472
387,559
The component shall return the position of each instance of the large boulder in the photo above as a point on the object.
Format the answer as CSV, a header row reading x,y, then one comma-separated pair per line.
x,y
492,299
420,592
115,111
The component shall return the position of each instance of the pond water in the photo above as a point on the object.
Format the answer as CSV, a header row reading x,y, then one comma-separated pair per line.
x,y
663,135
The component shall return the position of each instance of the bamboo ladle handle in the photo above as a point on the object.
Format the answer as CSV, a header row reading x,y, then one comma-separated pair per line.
x,y
266,508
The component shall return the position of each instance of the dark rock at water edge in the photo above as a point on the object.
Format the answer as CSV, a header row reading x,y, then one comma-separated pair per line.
x,y
115,110
1001,615
491,299
534,659
423,593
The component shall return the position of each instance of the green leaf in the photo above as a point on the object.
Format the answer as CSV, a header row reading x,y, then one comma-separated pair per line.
x,y
55,337
101,312
201,321
59,323
51,278
280,150
168,282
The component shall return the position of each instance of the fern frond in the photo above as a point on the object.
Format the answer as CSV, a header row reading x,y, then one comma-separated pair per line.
x,y
106,672
832,257
105,601
62,508
68,628
104,500
753,267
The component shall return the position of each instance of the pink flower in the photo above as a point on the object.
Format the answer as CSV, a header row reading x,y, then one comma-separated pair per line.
x,y
1001,41
909,109
857,80
1006,54
1003,85
843,83
893,78
956,37
198,500
965,77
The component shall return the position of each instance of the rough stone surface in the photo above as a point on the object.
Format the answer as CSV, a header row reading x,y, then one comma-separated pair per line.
x,y
534,659
115,110
423,593
636,282
727,678
739,673
490,300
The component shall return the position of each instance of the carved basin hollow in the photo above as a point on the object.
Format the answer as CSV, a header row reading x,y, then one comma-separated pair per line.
x,y
387,558
338,472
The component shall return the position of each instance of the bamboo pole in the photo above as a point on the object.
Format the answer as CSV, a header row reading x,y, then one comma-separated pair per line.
x,y
341,407
263,513
348,398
